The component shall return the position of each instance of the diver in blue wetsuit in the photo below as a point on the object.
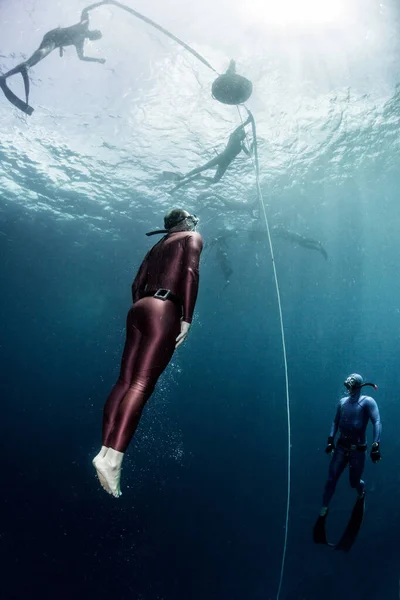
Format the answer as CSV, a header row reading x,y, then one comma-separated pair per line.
x,y
353,413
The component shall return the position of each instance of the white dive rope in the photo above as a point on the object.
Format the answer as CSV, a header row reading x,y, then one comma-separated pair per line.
x,y
289,438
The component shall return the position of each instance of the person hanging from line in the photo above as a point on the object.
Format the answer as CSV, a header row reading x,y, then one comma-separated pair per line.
x,y
353,413
75,35
164,295
221,161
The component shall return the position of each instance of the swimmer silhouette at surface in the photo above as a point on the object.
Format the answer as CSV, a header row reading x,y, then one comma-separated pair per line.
x,y
164,295
221,161
76,35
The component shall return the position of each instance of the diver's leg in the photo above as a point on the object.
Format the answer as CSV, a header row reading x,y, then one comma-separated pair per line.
x,y
23,69
336,468
222,167
37,56
117,394
40,54
356,470
194,173
156,326
15,70
209,165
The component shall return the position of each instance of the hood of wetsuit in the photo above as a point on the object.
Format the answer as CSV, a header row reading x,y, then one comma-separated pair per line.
x,y
353,382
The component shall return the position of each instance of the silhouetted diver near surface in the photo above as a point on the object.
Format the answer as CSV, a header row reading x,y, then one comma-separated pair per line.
x,y
353,414
76,35
221,161
164,295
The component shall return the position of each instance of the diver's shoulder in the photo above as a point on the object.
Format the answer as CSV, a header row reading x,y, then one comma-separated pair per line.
x,y
368,400
194,236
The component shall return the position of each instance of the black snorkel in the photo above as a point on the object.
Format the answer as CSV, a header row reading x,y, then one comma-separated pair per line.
x,y
193,218
370,384
351,385
157,232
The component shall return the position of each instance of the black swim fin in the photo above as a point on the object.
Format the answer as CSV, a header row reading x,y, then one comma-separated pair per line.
x,y
319,533
11,97
25,77
353,526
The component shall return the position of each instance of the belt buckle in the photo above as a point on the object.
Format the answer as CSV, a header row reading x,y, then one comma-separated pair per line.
x,y
353,447
162,294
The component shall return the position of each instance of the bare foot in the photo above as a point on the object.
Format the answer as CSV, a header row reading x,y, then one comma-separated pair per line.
x,y
101,478
109,472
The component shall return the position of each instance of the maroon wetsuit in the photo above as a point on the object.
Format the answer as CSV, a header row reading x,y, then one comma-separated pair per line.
x,y
151,330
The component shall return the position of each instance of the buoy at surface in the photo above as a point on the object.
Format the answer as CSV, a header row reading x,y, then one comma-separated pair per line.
x,y
231,88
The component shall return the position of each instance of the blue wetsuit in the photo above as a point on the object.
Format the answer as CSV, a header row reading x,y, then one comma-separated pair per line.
x,y
351,419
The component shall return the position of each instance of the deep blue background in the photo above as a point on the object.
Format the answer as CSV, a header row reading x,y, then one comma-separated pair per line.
x,y
209,524
202,513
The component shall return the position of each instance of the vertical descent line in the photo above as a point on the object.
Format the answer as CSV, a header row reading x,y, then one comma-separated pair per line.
x,y
289,437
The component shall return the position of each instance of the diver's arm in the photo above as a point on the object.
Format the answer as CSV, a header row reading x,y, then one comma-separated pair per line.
x,y
139,283
242,126
85,12
335,423
190,273
374,415
81,55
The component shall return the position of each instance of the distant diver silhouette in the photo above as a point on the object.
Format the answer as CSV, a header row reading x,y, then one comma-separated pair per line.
x,y
222,160
214,199
299,239
76,35
220,244
164,295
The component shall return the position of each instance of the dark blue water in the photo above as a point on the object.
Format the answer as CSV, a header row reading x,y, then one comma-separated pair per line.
x,y
202,514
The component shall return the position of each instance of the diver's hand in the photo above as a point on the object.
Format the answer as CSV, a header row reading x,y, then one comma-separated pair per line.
x,y
101,60
330,446
183,334
375,453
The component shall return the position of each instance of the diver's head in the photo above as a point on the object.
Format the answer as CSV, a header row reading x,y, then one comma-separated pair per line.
x,y
353,383
95,34
178,219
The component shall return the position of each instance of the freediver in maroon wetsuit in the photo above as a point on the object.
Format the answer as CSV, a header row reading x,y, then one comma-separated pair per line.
x,y
164,295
